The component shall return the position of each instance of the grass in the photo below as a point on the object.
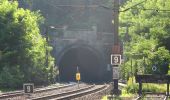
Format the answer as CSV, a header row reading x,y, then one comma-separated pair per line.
x,y
131,90
115,98
126,94
133,87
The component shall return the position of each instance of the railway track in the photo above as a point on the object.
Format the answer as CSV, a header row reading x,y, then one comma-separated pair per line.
x,y
66,92
20,94
153,97
73,94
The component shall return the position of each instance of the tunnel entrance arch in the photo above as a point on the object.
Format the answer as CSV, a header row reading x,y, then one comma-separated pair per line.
x,y
89,61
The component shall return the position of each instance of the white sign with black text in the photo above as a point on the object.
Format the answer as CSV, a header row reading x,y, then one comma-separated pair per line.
x,y
115,59
28,88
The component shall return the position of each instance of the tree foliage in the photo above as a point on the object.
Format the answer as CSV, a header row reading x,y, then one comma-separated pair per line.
x,y
23,49
149,34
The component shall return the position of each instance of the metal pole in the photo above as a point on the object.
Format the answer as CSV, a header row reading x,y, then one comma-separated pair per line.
x,y
77,69
46,46
167,88
131,71
78,84
116,40
140,87
0,55
144,65
78,80
116,21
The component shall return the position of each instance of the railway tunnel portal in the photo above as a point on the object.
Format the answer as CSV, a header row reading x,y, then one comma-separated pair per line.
x,y
89,61
83,49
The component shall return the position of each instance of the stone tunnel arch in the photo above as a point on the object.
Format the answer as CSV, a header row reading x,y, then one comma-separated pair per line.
x,y
88,59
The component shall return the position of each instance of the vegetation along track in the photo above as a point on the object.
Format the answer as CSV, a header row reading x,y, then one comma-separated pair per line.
x,y
19,95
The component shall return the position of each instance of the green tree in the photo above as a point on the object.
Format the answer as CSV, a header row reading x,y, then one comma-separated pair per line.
x,y
23,49
160,59
149,26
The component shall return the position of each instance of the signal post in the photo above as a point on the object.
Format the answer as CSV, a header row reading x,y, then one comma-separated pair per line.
x,y
116,51
78,77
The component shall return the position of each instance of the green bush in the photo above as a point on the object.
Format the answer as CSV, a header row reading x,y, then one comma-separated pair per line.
x,y
11,78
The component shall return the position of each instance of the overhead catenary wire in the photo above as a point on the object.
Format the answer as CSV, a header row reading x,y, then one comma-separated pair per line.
x,y
163,10
132,7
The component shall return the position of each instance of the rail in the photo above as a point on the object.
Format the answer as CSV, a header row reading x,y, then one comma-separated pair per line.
x,y
97,95
78,95
21,93
62,94
152,97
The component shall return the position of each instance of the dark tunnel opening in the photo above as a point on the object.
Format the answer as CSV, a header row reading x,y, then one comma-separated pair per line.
x,y
87,61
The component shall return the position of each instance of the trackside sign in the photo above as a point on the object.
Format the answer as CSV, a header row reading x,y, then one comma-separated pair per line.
x,y
115,59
